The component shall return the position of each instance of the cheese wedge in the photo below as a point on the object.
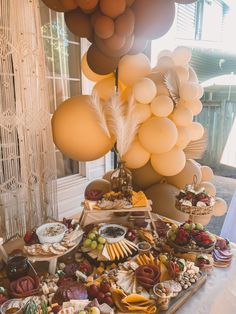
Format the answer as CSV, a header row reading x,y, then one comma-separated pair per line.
x,y
123,248
117,254
105,253
119,248
110,252
127,248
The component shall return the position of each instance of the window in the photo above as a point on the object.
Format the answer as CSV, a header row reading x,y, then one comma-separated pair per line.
x,y
63,55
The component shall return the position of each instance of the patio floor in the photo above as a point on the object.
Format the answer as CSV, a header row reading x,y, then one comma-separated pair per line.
x,y
225,189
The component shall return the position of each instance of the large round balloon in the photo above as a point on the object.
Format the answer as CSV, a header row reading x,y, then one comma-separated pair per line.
x,y
181,116
105,88
186,176
55,5
108,49
162,106
170,163
79,23
144,91
76,131
158,135
207,173
136,156
183,137
112,8
92,76
154,18
209,187
163,197
133,67
124,24
146,176
220,207
100,63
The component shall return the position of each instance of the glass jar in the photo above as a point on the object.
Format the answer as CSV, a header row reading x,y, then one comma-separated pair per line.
x,y
17,266
121,179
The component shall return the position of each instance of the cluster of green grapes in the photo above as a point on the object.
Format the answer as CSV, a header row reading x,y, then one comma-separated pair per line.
x,y
94,241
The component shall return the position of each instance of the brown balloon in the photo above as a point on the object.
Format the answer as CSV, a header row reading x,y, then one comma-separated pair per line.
x,y
79,23
124,24
100,63
114,52
112,8
153,18
87,5
115,42
104,26
94,16
69,4
55,5
139,45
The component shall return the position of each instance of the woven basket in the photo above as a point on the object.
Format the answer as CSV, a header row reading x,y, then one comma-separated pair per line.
x,y
194,210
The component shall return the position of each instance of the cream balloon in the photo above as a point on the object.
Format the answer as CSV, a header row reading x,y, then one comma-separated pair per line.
x,y
163,197
207,173
192,75
209,187
106,88
145,176
92,76
158,135
194,105
170,163
181,116
182,73
144,91
204,220
76,131
220,207
133,67
162,106
183,137
189,91
186,176
164,53
165,61
136,156
200,91
142,111
196,131
182,55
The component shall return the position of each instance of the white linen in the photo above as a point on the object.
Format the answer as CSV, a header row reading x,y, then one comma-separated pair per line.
x,y
217,295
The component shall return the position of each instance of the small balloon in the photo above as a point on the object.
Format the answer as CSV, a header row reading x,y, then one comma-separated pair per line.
x,y
136,156
207,173
182,73
196,131
115,42
183,137
162,106
55,5
144,91
220,207
195,105
105,88
209,187
189,91
79,23
87,4
165,61
112,8
192,75
104,26
124,24
139,45
142,111
100,63
69,4
182,55
181,116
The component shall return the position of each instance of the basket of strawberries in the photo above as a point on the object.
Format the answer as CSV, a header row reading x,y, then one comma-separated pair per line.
x,y
194,202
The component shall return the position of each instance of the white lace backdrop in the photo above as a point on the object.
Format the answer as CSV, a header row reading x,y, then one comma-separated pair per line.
x,y
27,160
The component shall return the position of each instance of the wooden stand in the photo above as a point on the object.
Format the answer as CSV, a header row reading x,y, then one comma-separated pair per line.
x,y
88,210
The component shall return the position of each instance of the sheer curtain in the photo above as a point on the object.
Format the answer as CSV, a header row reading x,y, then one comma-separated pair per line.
x,y
27,159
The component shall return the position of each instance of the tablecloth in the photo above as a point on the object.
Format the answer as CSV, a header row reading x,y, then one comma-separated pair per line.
x,y
217,295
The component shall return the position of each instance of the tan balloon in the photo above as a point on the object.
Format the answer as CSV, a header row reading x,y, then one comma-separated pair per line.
x,y
104,26
124,24
220,207
196,131
112,8
183,137
142,111
158,135
133,67
182,55
162,106
76,131
209,187
69,4
186,176
207,173
144,91
189,91
146,176
79,23
137,156
181,116
106,88
170,163
87,4
114,42
101,185
182,73
92,76
194,105
163,198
